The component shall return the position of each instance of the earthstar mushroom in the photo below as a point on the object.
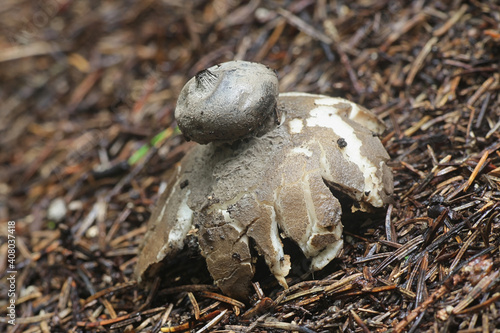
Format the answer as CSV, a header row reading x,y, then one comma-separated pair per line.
x,y
272,177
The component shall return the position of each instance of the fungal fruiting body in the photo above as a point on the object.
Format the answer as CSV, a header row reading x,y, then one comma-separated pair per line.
x,y
274,184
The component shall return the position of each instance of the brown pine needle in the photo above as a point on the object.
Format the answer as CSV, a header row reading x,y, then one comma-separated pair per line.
x,y
476,170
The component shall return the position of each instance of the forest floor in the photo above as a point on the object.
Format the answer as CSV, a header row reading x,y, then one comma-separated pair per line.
x,y
86,86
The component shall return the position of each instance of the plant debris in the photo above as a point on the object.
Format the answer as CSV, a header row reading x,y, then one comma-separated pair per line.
x,y
88,90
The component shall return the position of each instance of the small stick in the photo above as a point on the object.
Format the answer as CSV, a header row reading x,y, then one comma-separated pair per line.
x,y
221,298
389,227
305,27
451,21
113,289
478,307
394,36
417,64
285,326
260,307
479,92
271,41
344,59
360,322
430,300
478,289
212,322
476,170
196,307
463,248
484,106
190,324
419,125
